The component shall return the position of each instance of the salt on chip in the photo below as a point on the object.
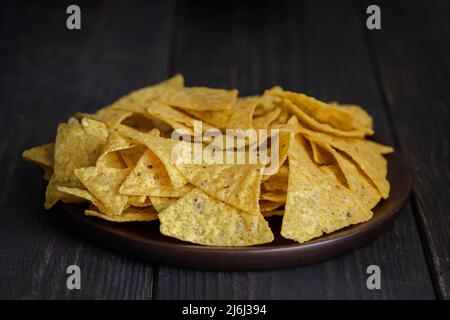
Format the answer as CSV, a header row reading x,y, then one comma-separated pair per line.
x,y
104,184
148,177
201,219
316,203
200,98
235,184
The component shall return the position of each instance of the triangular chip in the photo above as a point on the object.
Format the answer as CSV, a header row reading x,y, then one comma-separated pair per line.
x,y
149,177
74,148
201,219
316,203
41,155
237,185
104,184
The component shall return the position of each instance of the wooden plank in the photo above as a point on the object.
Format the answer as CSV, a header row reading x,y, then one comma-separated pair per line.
x,y
414,62
314,47
48,73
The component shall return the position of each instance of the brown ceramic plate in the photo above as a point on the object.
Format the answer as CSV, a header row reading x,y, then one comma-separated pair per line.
x,y
143,239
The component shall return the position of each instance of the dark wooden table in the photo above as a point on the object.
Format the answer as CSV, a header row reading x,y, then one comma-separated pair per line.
x,y
400,74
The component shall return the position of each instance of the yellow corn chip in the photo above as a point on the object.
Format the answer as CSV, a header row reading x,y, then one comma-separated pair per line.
x,y
104,184
366,154
42,155
74,148
201,219
162,148
316,203
162,203
95,128
237,185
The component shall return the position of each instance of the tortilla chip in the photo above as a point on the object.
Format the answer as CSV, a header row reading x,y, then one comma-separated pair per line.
x,y
149,177
322,112
237,185
199,218
110,156
95,128
41,155
277,182
366,154
162,148
74,148
316,203
104,184
200,98
162,203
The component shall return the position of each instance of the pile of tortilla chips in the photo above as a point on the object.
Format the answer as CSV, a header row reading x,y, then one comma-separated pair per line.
x,y
119,162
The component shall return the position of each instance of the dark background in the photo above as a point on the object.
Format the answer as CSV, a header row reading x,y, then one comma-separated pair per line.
x,y
400,74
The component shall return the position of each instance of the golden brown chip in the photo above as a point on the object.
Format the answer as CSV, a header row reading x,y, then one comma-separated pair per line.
x,y
104,184
95,128
162,148
41,155
201,219
74,148
316,203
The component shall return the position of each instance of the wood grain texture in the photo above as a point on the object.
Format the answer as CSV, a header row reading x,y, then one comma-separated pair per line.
x,y
48,73
318,48
412,54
